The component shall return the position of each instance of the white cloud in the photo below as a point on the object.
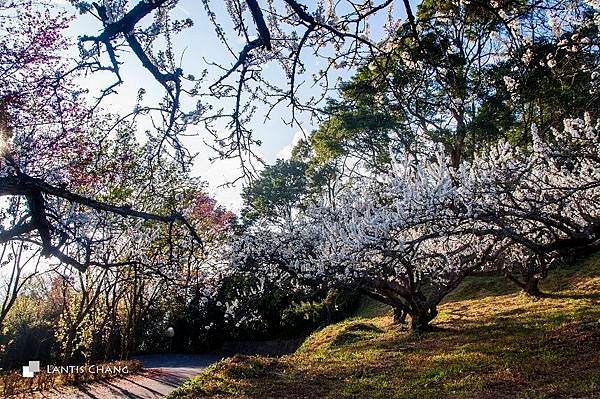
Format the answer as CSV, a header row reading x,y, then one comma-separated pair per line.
x,y
286,152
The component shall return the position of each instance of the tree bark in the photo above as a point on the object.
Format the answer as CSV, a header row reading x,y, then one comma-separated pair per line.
x,y
530,284
399,315
532,287
421,318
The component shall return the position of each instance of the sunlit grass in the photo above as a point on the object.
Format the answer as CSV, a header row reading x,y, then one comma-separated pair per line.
x,y
493,342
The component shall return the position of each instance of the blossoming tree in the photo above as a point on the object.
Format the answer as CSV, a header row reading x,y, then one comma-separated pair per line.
x,y
54,150
411,238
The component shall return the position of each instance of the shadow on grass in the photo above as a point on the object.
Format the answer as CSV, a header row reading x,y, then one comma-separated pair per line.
x,y
571,296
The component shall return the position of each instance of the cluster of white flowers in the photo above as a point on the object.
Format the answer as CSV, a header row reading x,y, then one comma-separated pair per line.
x,y
512,86
427,225
555,24
115,9
527,57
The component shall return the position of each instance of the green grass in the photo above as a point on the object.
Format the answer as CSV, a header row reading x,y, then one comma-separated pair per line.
x,y
494,342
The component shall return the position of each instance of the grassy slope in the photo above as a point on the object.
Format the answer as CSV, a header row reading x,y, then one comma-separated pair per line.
x,y
495,343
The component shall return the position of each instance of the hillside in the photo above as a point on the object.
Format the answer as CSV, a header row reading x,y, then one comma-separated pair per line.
x,y
493,342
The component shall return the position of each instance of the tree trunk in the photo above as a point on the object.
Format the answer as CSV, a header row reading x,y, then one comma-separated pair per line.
x,y
531,287
399,316
329,303
420,319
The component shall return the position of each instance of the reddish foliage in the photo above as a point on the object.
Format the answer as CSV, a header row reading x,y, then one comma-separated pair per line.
x,y
47,121
213,216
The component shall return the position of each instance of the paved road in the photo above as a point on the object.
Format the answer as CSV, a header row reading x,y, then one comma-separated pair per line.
x,y
161,375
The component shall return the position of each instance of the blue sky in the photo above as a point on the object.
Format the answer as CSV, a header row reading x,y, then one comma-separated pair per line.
x,y
194,46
